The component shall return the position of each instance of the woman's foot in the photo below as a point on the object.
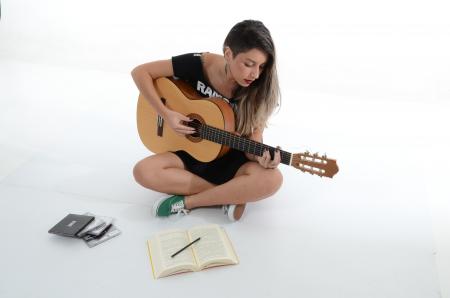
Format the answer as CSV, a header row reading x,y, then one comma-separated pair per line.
x,y
234,212
166,206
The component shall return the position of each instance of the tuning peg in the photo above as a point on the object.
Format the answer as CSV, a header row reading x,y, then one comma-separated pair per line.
x,y
324,156
316,154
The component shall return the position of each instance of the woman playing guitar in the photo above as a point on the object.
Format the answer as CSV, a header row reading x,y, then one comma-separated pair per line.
x,y
245,77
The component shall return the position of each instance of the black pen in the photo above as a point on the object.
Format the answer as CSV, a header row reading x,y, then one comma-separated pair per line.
x,y
185,247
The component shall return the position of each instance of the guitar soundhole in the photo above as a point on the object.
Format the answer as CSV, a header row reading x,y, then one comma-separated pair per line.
x,y
196,122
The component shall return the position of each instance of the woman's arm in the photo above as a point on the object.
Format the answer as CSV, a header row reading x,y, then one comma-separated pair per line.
x,y
143,76
264,160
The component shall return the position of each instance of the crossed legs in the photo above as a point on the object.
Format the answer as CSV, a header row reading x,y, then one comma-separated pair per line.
x,y
165,173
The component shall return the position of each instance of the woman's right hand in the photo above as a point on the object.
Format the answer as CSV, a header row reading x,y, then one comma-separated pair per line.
x,y
176,120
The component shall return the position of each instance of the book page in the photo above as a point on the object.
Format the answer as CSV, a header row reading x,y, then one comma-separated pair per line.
x,y
213,248
162,246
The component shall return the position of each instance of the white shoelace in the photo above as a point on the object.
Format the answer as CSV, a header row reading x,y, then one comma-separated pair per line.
x,y
178,208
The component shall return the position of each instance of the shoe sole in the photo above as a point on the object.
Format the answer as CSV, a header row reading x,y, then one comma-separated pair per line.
x,y
236,211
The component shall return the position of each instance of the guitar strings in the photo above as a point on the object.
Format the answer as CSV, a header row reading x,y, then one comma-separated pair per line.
x,y
243,144
214,134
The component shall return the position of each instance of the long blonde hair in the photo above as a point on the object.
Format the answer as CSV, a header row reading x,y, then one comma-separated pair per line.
x,y
256,102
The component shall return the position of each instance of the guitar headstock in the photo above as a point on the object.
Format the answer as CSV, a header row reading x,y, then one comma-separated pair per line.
x,y
315,164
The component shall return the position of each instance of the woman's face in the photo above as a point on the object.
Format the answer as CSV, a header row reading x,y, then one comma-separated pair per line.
x,y
247,66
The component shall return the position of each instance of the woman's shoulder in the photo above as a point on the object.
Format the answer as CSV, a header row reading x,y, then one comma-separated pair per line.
x,y
210,59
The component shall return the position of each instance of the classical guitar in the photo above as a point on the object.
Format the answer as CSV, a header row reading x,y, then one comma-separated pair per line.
x,y
213,120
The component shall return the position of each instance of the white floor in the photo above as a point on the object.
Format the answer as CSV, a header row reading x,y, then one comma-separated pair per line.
x,y
68,143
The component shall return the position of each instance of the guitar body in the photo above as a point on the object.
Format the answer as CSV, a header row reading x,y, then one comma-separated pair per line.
x,y
158,137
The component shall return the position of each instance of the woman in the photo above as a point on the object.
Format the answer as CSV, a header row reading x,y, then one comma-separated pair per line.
x,y
245,76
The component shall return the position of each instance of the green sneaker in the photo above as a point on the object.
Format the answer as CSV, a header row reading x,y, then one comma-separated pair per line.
x,y
164,207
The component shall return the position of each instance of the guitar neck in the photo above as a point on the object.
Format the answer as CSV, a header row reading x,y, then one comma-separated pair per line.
x,y
240,143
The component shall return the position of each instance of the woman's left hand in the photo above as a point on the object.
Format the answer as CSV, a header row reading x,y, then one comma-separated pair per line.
x,y
268,163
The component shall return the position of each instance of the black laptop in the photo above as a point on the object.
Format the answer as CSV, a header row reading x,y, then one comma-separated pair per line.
x,y
71,224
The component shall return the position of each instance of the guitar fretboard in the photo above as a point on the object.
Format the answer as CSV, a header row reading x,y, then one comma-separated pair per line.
x,y
226,138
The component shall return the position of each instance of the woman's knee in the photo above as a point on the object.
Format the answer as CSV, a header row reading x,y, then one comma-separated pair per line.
x,y
271,181
148,171
140,173
145,170
277,179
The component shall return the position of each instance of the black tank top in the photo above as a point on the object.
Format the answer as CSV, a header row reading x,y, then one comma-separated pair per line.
x,y
189,67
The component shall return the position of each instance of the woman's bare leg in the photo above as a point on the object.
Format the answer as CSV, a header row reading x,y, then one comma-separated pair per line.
x,y
251,183
165,173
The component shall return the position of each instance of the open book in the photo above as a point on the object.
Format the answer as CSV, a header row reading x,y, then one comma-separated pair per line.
x,y
213,249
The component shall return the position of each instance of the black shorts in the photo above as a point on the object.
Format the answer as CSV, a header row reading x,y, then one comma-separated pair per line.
x,y
217,171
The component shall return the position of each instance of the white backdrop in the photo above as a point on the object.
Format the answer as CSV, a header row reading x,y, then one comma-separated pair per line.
x,y
376,55
366,49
